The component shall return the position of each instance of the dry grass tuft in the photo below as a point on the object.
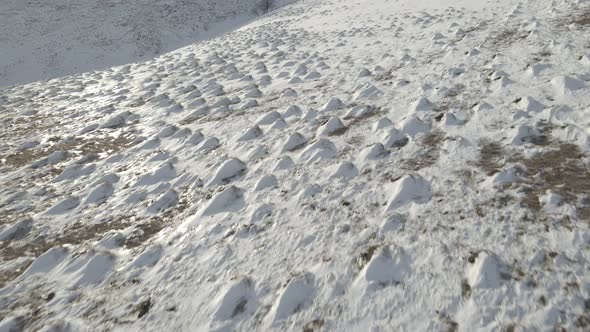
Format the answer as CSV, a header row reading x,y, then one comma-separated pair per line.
x,y
431,144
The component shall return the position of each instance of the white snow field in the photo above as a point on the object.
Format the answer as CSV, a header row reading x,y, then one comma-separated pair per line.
x,y
404,165
43,39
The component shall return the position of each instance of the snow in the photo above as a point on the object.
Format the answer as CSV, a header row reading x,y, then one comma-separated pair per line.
x,y
293,298
228,170
16,230
100,193
267,181
333,126
332,104
44,40
294,142
230,199
383,269
409,189
331,165
375,151
235,300
485,272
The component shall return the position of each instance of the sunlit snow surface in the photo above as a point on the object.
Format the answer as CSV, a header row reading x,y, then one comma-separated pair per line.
x,y
331,166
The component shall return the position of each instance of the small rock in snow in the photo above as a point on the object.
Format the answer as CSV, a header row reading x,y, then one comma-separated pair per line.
x,y
248,103
279,124
360,112
529,104
385,267
165,201
289,93
167,131
321,149
114,122
17,230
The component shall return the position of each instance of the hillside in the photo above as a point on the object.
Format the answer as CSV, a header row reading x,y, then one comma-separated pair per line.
x,y
407,165
47,39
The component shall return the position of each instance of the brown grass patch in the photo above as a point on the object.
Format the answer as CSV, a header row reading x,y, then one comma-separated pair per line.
x,y
431,144
582,18
365,256
314,325
490,157
34,247
78,233
507,37
81,146
560,170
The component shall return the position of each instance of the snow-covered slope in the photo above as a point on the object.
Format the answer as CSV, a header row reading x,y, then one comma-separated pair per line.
x,y
45,39
333,166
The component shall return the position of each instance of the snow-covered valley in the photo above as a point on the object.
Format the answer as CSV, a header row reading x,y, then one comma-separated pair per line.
x,y
408,165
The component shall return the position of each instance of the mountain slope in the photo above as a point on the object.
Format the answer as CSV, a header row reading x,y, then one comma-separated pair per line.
x,y
47,39
335,165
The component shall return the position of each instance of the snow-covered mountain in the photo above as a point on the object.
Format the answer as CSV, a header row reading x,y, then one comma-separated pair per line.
x,y
46,39
408,165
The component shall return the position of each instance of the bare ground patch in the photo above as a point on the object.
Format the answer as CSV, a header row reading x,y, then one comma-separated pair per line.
x,y
79,232
560,170
80,146
36,245
506,37
431,143
490,158
581,18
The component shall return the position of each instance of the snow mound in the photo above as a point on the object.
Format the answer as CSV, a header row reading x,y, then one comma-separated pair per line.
x,y
231,168
409,189
230,199
296,294
485,271
566,85
237,299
